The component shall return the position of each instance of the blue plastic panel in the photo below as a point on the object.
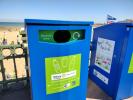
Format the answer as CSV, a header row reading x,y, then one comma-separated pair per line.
x,y
126,81
115,82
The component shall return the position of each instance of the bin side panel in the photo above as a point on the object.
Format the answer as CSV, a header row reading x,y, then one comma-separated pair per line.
x,y
125,89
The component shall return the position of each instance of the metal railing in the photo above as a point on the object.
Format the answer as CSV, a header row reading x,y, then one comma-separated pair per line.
x,y
13,55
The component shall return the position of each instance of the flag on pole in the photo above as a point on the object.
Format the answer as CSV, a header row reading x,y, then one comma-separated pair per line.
x,y
110,19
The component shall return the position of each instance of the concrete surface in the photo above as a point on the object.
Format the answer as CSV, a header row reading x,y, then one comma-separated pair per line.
x,y
18,93
95,93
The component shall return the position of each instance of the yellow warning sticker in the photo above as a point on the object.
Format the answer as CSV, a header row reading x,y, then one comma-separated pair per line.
x,y
130,70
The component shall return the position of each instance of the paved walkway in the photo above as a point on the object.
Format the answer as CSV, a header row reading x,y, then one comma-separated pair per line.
x,y
93,93
16,92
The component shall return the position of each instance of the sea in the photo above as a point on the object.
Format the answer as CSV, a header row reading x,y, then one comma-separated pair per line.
x,y
21,24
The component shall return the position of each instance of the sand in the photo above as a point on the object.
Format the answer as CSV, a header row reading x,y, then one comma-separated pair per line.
x,y
11,35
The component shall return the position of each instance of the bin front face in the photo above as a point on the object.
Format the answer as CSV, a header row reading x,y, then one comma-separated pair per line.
x,y
105,66
59,69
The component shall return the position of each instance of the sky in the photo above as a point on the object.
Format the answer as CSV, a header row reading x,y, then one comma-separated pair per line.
x,y
82,10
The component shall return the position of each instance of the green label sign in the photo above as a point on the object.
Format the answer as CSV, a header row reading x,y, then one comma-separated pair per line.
x,y
48,35
130,70
62,73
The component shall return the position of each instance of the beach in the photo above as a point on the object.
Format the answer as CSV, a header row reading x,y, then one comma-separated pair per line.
x,y
10,33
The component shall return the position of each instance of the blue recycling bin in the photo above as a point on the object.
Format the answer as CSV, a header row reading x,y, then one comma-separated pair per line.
x,y
58,53
111,66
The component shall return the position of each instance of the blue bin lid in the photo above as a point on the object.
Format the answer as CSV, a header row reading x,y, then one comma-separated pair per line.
x,y
129,24
56,22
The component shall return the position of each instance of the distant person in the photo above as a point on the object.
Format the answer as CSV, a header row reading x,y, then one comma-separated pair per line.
x,y
4,42
18,42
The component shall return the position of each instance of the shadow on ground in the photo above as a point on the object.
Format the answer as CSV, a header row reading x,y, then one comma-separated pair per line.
x,y
16,92
20,92
94,92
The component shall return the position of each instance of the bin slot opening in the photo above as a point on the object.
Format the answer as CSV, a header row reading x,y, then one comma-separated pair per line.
x,y
62,36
